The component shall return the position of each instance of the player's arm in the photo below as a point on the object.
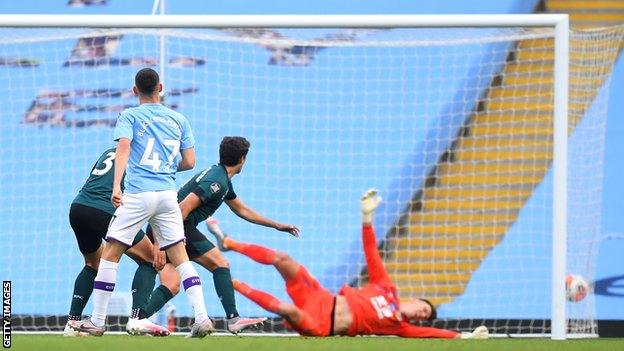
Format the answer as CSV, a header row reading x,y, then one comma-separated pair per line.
x,y
188,159
203,193
189,204
160,257
122,153
412,331
123,134
247,213
376,270
187,147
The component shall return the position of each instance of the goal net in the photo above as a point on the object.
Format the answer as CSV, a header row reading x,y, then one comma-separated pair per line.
x,y
453,126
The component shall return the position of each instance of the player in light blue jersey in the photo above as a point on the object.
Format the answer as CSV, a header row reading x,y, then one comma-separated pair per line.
x,y
161,135
153,143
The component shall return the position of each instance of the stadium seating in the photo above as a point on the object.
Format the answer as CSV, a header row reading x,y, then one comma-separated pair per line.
x,y
589,13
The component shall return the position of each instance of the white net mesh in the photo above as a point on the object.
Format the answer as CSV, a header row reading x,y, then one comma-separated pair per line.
x,y
453,126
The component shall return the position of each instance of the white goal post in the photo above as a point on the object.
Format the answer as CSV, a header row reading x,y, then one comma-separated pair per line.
x,y
559,22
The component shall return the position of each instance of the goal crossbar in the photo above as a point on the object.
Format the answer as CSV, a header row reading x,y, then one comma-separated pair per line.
x,y
283,21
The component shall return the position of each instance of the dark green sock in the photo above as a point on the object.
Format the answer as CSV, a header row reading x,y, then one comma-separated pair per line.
x,y
157,300
223,285
83,287
142,285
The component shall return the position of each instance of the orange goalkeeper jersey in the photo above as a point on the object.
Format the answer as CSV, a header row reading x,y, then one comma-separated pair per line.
x,y
375,306
375,310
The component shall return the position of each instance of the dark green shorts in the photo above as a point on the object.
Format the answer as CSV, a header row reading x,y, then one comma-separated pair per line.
x,y
196,242
90,225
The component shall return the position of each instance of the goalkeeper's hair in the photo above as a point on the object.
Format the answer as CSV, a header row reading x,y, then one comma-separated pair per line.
x,y
146,81
232,149
434,312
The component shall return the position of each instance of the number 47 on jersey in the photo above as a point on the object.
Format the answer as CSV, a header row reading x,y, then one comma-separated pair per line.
x,y
152,158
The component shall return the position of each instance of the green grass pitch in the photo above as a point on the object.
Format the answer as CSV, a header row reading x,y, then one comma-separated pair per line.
x,y
250,343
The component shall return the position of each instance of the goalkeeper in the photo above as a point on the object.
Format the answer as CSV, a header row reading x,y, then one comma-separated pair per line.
x,y
372,309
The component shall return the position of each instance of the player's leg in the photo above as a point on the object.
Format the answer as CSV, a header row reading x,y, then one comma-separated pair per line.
x,y
192,287
298,319
103,287
83,285
202,251
92,260
126,222
89,226
169,232
284,264
168,288
169,284
142,285
300,284
145,275
213,260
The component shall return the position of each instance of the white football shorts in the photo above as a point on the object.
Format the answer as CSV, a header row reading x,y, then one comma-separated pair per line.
x,y
159,208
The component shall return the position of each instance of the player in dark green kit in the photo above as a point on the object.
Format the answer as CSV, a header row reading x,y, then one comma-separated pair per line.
x,y
199,198
89,215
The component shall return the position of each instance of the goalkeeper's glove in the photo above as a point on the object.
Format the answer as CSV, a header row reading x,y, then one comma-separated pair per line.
x,y
479,333
370,201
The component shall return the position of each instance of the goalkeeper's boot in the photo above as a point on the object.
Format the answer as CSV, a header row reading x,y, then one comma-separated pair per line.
x,y
69,331
479,333
200,330
238,324
221,243
213,228
144,326
88,327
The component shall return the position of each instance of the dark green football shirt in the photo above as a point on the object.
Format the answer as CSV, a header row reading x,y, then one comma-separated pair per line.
x,y
97,190
212,186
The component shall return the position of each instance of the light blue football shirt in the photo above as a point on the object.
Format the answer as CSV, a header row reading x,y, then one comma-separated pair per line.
x,y
157,135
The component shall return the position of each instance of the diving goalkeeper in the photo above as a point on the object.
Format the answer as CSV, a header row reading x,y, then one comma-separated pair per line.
x,y
373,309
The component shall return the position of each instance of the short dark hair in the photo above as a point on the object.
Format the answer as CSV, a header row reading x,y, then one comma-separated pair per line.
x,y
231,150
146,81
434,312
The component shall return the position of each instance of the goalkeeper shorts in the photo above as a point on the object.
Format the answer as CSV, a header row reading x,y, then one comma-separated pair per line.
x,y
316,302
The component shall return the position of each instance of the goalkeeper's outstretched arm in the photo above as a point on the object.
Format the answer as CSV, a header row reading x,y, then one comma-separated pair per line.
x,y
376,270
412,331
